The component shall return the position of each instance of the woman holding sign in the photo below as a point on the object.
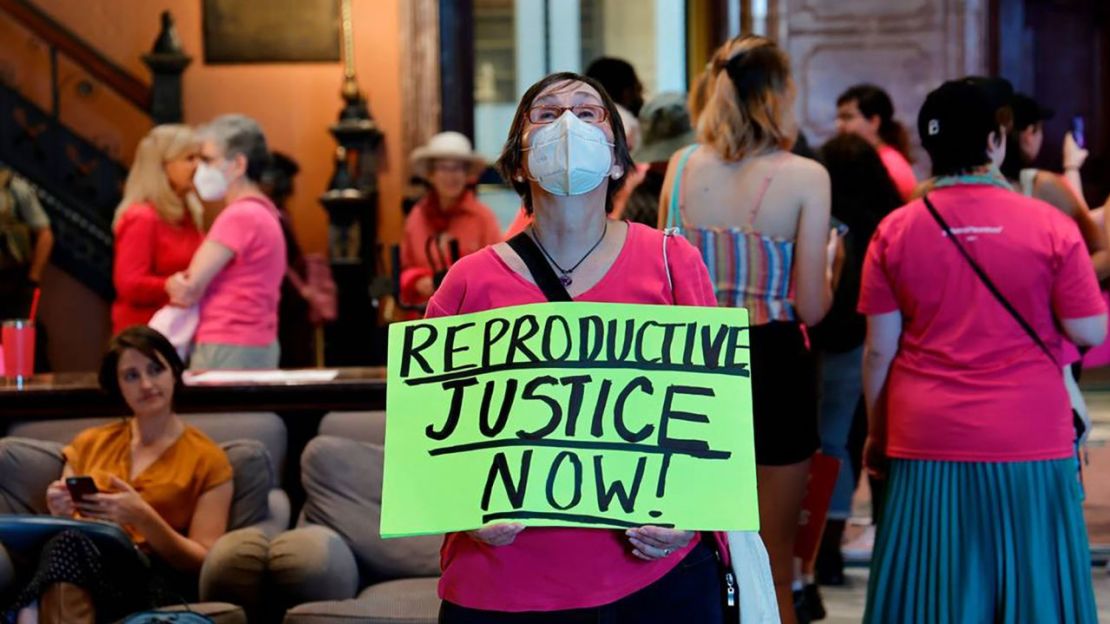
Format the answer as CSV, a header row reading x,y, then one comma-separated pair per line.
x,y
760,215
566,156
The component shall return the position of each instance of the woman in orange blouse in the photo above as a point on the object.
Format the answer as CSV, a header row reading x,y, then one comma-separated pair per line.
x,y
166,483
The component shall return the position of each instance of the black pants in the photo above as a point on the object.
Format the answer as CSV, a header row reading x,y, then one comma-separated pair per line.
x,y
691,592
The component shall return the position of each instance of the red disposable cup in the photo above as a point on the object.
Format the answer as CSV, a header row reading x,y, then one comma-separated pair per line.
x,y
18,337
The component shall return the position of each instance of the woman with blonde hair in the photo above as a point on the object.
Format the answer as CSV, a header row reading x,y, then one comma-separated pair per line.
x,y
157,224
759,215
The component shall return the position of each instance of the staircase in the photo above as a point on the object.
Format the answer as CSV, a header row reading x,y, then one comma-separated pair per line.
x,y
78,184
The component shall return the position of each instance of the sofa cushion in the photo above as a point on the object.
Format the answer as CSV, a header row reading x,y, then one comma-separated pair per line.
x,y
254,478
29,466
343,486
266,427
361,426
407,601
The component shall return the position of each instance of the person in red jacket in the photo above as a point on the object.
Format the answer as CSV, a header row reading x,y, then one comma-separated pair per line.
x,y
448,213
157,224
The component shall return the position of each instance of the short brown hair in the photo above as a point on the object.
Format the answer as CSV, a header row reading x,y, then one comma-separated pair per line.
x,y
145,340
749,104
511,160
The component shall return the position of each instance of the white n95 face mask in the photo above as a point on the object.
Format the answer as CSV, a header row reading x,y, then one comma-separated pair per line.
x,y
569,156
210,182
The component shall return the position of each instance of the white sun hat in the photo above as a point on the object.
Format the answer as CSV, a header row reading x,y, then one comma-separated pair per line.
x,y
449,146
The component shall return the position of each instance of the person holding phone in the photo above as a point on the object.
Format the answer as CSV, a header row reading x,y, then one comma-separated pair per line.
x,y
164,482
1023,145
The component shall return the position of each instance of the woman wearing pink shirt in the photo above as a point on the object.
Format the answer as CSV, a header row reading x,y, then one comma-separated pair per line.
x,y
868,111
566,156
235,276
971,295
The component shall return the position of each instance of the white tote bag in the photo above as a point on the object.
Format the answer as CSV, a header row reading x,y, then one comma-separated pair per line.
x,y
178,325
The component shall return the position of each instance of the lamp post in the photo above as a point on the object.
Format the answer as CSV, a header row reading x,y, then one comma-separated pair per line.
x,y
166,62
351,201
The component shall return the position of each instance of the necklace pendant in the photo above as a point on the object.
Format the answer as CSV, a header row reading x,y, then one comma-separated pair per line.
x,y
565,280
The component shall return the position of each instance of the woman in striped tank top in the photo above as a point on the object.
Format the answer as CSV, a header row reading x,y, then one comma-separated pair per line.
x,y
760,217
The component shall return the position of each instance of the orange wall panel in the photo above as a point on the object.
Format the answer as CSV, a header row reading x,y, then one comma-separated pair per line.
x,y
294,102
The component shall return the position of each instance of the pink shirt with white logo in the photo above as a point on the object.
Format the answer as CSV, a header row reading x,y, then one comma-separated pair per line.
x,y
968,384
550,569
240,305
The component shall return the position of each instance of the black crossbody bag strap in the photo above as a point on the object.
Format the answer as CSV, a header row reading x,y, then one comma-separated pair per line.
x,y
541,271
988,283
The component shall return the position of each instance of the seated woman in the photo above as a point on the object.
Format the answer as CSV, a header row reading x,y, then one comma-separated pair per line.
x,y
448,213
166,483
505,572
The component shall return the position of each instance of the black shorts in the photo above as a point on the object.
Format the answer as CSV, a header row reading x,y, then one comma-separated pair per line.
x,y
784,394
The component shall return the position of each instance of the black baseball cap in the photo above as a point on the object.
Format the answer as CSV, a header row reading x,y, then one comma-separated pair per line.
x,y
1028,112
958,116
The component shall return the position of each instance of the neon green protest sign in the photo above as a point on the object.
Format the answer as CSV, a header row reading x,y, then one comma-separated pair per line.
x,y
570,414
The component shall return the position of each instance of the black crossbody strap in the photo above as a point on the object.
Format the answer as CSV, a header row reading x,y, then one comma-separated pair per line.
x,y
988,283
541,271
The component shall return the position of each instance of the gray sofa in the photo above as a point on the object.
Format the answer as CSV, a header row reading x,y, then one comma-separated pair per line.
x,y
233,574
335,567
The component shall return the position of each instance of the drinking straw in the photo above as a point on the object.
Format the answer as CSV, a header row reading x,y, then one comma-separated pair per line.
x,y
35,303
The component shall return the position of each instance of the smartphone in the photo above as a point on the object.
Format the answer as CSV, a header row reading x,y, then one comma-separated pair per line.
x,y
80,487
838,225
1077,131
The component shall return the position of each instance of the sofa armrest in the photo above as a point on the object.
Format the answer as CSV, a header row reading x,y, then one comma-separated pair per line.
x,y
235,569
312,564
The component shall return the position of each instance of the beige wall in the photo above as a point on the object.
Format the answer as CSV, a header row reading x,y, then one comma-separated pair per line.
x,y
907,47
630,34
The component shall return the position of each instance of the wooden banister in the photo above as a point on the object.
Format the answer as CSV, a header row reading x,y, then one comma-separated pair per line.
x,y
123,82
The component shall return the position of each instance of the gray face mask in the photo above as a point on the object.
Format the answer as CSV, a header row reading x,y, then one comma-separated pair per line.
x,y
569,156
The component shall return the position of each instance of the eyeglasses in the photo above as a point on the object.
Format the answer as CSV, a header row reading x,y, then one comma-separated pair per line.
x,y
591,113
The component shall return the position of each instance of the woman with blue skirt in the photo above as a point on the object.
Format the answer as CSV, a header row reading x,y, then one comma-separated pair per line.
x,y
971,294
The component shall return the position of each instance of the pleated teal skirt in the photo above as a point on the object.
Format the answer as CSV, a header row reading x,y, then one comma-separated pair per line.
x,y
981,543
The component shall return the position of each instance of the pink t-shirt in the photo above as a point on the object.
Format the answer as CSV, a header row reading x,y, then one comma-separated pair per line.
x,y
240,305
549,569
899,170
967,383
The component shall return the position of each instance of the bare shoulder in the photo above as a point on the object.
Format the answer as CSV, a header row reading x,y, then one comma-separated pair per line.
x,y
1052,188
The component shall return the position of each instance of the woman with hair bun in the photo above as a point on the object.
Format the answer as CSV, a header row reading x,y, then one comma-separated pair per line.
x,y
759,215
